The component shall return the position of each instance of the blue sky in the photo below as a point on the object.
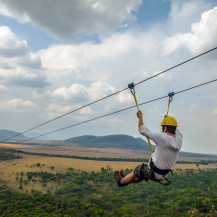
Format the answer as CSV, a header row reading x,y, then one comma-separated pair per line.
x,y
37,38
52,63
152,11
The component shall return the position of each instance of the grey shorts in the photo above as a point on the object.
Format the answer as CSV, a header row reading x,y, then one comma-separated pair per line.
x,y
143,172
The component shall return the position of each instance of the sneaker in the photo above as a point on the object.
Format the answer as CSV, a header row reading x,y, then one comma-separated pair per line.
x,y
118,177
122,173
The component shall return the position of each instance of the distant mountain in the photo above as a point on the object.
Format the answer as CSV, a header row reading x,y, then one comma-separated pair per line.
x,y
32,134
5,134
89,141
111,141
121,142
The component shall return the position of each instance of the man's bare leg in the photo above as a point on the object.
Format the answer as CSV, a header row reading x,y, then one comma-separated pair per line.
x,y
130,178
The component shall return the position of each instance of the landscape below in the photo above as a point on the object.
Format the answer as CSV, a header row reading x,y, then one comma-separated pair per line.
x,y
41,179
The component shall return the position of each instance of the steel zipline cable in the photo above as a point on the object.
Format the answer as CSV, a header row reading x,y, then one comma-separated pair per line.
x,y
58,117
173,67
112,113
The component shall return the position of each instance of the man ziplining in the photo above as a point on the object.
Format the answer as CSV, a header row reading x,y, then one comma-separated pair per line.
x,y
168,144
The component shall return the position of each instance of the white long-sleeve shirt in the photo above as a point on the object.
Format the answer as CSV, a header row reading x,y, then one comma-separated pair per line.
x,y
167,147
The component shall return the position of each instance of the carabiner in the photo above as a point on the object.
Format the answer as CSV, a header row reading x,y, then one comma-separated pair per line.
x,y
131,87
171,96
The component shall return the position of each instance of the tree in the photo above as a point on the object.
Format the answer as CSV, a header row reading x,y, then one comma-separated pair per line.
x,y
38,164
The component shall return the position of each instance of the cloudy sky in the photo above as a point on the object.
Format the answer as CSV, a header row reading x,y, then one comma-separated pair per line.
x,y
56,56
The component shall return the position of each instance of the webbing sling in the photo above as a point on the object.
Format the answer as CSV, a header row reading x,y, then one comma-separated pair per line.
x,y
155,169
132,90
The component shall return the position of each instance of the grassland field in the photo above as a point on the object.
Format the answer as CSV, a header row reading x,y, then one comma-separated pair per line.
x,y
91,152
28,163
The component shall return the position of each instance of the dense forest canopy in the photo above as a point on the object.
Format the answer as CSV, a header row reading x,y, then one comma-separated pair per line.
x,y
192,193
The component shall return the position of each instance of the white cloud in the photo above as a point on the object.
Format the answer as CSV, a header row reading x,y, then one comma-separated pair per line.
x,y
22,77
80,93
72,17
100,89
75,93
55,110
58,108
17,65
114,122
86,111
162,76
65,99
3,88
184,13
31,60
114,59
5,10
180,10
9,45
63,57
17,105
84,72
4,65
74,57
203,35
124,97
187,9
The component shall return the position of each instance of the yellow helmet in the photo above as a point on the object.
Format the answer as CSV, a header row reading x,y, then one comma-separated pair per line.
x,y
169,121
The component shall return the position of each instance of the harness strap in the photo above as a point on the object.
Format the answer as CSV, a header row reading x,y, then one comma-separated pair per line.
x,y
168,107
132,90
170,100
155,169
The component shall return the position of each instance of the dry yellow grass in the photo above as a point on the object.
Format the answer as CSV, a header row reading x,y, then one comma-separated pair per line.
x,y
77,151
62,164
9,169
90,152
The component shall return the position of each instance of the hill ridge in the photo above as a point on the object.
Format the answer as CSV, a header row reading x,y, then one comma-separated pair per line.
x,y
5,134
110,141
119,141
